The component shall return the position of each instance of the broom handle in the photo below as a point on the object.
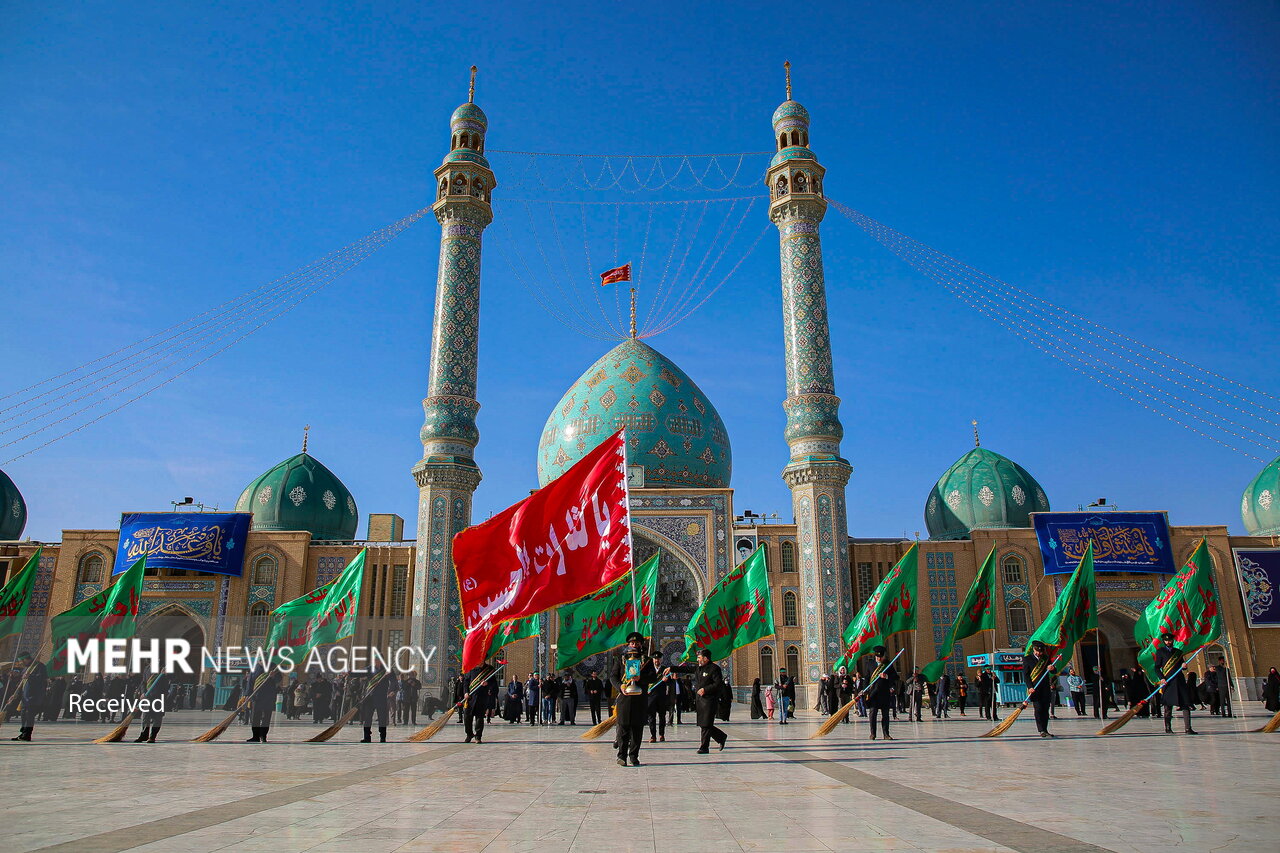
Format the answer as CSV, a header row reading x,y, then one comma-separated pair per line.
x,y
35,661
1043,676
477,685
877,673
1165,680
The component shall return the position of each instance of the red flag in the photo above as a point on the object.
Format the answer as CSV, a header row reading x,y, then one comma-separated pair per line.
x,y
567,540
615,275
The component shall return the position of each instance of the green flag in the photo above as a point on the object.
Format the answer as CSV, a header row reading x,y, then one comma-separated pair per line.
x,y
890,609
508,632
603,620
738,611
324,616
109,615
1074,613
16,596
975,615
1187,608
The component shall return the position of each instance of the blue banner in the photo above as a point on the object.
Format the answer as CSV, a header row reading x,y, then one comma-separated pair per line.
x,y
1259,573
1122,541
201,541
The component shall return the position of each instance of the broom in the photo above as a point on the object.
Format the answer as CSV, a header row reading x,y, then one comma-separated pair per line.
x,y
350,715
1005,724
834,720
435,727
216,732
117,734
601,727
1128,715
1272,725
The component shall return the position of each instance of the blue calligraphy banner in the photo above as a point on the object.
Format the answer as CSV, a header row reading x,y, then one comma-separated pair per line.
x,y
201,541
1259,573
1122,541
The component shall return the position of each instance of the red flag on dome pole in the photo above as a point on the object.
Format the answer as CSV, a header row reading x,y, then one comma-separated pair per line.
x,y
615,275
565,541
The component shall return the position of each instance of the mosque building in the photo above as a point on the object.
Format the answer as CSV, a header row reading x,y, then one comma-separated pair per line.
x,y
305,521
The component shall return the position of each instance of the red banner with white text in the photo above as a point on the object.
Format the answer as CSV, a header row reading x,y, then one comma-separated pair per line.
x,y
566,540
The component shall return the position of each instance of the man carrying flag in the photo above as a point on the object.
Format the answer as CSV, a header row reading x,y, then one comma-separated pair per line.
x,y
1037,672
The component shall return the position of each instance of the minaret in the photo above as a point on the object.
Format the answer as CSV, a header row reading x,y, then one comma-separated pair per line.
x,y
816,473
447,475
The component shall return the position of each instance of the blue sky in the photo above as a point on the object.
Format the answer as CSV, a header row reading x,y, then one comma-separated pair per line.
x,y
1119,159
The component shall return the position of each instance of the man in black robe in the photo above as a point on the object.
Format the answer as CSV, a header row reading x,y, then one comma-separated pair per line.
x,y
595,693
379,690
881,691
708,689
262,702
659,703
1169,666
1036,674
484,696
632,674
321,694
156,694
35,680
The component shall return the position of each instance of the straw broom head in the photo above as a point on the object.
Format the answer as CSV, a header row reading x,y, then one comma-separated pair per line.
x,y
1004,725
434,729
601,727
1119,722
335,728
215,732
118,733
1272,725
834,720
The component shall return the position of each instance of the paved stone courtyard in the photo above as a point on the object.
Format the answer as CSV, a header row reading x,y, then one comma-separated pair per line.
x,y
936,788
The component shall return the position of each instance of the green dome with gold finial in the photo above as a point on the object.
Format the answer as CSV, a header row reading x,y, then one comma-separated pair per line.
x,y
982,490
1260,506
301,494
672,428
13,509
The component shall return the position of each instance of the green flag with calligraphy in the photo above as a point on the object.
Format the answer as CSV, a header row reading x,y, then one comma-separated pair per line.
x,y
976,614
324,616
603,620
889,609
16,597
1074,614
738,611
509,632
110,615
1187,608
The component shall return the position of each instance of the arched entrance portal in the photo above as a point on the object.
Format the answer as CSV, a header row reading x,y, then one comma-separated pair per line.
x,y
679,594
174,622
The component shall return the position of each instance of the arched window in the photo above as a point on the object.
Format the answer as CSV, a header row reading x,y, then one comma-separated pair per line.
x,y
782,185
793,662
790,610
459,185
795,137
264,571
454,143
444,187
802,183
766,665
258,614
1013,570
782,140
1018,621
804,137
788,556
91,568
817,185
477,188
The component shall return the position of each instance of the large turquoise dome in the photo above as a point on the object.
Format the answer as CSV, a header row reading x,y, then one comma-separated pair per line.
x,y
301,494
13,509
672,428
982,489
1260,506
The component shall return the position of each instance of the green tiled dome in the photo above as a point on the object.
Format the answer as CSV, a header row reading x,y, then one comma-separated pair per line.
x,y
983,489
672,428
1260,506
301,494
13,509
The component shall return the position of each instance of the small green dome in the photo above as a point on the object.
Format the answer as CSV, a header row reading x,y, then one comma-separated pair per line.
x,y
1260,506
792,152
301,494
13,510
982,489
790,114
470,117
672,428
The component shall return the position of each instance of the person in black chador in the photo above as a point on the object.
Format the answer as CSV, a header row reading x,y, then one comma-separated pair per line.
x,y
484,695
1169,667
881,691
708,688
262,702
381,687
843,687
1039,694
155,693
35,680
632,674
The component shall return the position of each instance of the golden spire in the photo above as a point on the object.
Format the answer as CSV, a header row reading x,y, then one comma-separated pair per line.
x,y
471,91
633,313
976,442
787,65
306,429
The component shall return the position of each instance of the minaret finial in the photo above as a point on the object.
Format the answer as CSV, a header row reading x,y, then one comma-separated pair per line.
x,y
787,65
471,91
633,313
976,442
306,429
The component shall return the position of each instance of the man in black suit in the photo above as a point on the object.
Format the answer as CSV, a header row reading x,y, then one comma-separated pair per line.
x,y
484,696
595,692
379,692
881,691
1037,672
1169,665
659,703
708,685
